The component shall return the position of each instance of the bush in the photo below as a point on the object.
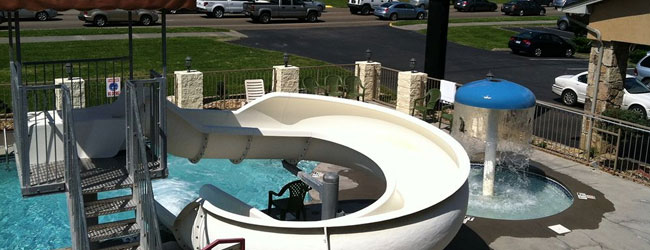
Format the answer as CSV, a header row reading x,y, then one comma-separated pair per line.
x,y
583,44
637,54
628,116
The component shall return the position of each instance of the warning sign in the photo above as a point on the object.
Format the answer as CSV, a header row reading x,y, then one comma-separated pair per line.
x,y
113,86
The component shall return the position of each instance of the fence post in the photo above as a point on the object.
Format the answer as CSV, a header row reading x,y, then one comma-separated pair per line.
x,y
77,92
189,92
286,79
409,88
369,74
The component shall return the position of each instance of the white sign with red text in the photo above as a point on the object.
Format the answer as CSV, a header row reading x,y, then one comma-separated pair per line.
x,y
113,86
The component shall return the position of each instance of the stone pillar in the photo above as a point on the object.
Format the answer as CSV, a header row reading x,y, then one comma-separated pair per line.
x,y
188,89
286,79
369,74
610,85
77,92
409,88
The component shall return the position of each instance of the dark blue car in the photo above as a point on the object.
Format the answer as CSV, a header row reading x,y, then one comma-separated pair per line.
x,y
399,10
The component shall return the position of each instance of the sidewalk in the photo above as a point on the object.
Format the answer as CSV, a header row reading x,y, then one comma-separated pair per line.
x,y
416,27
230,35
619,217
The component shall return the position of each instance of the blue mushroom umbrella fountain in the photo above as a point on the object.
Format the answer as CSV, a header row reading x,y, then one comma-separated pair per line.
x,y
493,121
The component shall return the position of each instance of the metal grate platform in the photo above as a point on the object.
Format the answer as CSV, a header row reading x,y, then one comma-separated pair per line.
x,y
118,229
109,206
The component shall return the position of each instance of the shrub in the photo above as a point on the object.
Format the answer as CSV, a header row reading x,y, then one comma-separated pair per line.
x,y
637,54
628,116
583,44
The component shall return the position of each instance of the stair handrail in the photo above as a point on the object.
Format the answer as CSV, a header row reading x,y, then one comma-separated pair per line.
x,y
19,103
241,241
76,212
138,167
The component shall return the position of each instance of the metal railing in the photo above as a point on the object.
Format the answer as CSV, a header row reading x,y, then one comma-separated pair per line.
x,y
76,213
241,241
138,164
225,89
617,145
386,90
88,76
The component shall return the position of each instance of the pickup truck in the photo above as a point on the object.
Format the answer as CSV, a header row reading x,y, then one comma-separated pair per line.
x,y
365,6
263,12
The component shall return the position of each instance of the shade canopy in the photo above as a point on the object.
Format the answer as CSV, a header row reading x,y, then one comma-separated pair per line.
x,y
36,5
495,94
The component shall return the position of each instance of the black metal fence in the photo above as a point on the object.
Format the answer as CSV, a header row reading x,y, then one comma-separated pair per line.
x,y
87,76
386,91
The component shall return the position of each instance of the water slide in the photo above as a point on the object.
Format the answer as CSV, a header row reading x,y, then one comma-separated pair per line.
x,y
425,169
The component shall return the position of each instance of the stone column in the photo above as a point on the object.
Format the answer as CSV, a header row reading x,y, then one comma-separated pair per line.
x,y
286,79
610,85
369,74
409,88
188,89
77,92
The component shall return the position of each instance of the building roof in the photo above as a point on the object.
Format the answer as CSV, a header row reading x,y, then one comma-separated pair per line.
x,y
10,5
579,7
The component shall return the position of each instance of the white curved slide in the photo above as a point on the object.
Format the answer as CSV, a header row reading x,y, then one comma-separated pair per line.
x,y
425,171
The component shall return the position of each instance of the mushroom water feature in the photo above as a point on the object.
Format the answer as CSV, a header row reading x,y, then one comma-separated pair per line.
x,y
493,121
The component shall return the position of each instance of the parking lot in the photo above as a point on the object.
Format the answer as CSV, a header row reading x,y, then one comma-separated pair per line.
x,y
394,48
332,17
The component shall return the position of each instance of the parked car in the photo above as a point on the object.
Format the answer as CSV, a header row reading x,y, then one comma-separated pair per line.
x,y
217,8
475,5
522,8
42,15
318,4
563,23
544,2
422,4
561,3
540,44
366,7
573,89
101,18
263,12
642,69
399,10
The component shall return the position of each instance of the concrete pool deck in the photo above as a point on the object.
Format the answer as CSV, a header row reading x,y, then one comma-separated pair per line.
x,y
619,217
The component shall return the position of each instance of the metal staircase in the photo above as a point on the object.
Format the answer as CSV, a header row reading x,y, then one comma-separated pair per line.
x,y
60,169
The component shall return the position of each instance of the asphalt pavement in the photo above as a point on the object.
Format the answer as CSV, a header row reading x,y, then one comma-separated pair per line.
x,y
394,48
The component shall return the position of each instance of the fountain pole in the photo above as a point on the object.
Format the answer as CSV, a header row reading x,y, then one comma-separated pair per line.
x,y
492,135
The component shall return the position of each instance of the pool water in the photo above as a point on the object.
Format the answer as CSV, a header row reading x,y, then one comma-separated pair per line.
x,y
42,222
518,195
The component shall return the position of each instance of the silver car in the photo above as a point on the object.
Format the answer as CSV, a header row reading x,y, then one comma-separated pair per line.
x,y
42,15
422,4
642,69
101,18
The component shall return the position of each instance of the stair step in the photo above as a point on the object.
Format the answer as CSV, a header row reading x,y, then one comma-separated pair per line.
x,y
105,179
113,230
125,246
109,206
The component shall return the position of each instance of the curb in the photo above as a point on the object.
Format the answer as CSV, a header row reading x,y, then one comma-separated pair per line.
x,y
329,6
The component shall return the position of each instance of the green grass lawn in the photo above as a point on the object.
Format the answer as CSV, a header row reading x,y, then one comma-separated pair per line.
x,y
208,54
482,19
109,31
482,37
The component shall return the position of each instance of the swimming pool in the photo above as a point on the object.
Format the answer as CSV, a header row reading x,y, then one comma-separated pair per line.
x,y
42,222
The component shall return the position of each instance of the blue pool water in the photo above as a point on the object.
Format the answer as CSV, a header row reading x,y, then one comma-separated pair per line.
x,y
42,222
518,195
